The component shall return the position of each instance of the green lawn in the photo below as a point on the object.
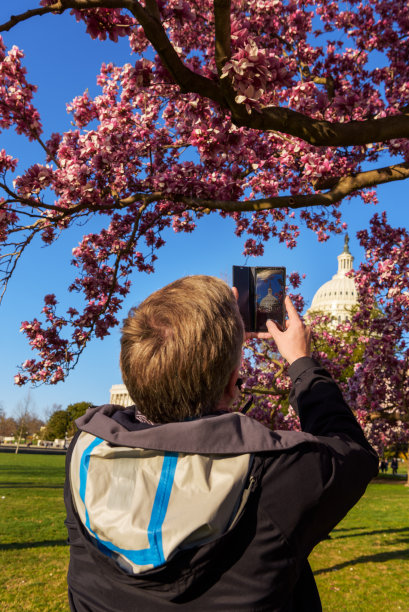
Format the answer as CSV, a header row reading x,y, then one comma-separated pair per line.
x,y
362,568
33,550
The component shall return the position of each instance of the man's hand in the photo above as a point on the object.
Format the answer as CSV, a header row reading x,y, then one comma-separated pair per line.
x,y
295,341
292,343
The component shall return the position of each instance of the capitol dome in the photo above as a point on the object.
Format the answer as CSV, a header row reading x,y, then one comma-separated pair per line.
x,y
268,302
337,296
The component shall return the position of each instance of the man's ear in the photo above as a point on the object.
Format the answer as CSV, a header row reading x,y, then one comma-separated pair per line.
x,y
231,387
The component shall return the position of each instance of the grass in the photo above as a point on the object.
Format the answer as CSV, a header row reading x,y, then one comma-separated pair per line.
x,y
33,550
362,568
402,472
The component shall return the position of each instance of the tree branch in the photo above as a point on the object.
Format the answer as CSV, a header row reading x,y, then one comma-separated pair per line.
x,y
119,257
188,81
328,82
259,391
16,19
314,131
345,186
222,10
152,7
122,253
324,133
77,208
222,33
55,160
11,259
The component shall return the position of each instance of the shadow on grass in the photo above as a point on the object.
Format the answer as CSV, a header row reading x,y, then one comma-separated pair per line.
x,y
21,545
389,479
335,535
379,558
32,469
337,529
29,485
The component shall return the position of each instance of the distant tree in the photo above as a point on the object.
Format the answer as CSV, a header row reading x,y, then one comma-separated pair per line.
x,y
27,422
34,424
49,410
57,425
74,411
62,422
7,424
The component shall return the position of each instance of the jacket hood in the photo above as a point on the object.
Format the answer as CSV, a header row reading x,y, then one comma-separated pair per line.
x,y
140,506
157,500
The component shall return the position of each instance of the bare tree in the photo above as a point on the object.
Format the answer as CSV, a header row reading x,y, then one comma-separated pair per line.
x,y
27,421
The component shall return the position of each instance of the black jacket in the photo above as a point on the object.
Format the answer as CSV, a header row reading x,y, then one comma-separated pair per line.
x,y
294,488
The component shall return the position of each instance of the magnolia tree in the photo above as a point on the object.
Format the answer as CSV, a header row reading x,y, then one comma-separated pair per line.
x,y
269,112
368,355
379,387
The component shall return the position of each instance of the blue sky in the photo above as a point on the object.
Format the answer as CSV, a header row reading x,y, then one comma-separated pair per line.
x,y
63,61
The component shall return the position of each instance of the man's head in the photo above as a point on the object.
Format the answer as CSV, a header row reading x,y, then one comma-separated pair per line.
x,y
179,348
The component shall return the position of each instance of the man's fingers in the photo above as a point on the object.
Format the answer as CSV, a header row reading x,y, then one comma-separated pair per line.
x,y
291,311
258,336
273,328
235,292
308,335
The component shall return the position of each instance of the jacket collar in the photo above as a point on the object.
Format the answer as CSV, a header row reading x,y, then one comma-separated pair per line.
x,y
223,434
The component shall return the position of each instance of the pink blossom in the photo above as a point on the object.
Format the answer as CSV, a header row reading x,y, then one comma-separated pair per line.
x,y
140,149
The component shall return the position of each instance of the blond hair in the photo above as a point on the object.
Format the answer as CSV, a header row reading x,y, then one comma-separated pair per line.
x,y
179,348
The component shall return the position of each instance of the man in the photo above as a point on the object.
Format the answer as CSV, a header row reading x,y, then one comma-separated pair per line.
x,y
176,503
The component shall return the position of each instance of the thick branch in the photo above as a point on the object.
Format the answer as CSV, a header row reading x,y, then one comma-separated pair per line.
x,y
324,133
314,131
223,53
153,8
222,33
345,186
188,81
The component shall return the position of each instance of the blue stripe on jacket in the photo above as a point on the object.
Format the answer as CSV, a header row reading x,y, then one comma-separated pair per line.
x,y
153,555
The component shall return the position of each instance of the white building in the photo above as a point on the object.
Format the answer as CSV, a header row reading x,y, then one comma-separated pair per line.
x,y
268,302
118,394
337,296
